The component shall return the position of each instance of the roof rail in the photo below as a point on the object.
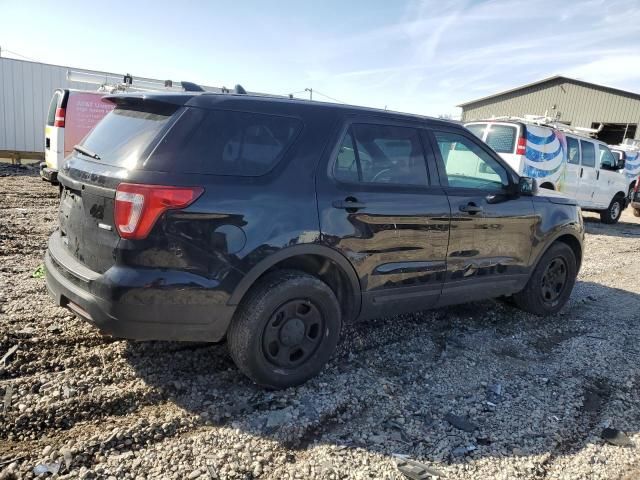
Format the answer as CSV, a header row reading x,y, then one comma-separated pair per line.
x,y
546,121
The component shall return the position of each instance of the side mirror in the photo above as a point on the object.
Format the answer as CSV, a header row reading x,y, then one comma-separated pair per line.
x,y
621,163
527,186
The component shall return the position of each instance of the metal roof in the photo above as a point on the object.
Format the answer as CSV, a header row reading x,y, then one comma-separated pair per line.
x,y
615,91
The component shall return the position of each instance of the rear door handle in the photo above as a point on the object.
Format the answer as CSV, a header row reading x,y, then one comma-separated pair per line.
x,y
598,175
581,169
349,204
470,208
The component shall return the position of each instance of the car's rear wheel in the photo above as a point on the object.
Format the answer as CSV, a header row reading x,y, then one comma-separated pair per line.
x,y
551,283
285,330
612,213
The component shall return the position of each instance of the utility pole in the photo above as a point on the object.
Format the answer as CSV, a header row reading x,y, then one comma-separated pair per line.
x,y
310,90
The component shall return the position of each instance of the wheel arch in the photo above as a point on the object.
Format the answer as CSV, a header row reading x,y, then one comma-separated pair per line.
x,y
571,240
317,260
548,186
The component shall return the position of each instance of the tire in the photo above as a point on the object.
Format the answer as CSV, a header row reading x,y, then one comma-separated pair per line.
x,y
285,330
612,214
636,212
548,298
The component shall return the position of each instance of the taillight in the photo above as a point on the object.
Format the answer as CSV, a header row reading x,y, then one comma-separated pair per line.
x,y
521,148
59,120
137,207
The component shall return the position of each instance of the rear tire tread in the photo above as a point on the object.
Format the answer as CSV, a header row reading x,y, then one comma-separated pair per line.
x,y
245,332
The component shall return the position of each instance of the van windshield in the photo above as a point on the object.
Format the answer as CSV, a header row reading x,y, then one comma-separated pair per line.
x,y
123,137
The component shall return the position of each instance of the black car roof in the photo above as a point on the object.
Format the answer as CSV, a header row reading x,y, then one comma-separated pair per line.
x,y
210,99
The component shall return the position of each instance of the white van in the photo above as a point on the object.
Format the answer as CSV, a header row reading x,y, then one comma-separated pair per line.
x,y
629,153
72,114
560,159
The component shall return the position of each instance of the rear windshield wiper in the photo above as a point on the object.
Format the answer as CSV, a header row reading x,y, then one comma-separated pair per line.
x,y
86,151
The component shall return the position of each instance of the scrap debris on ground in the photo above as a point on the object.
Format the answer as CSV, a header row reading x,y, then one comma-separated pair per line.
x,y
479,391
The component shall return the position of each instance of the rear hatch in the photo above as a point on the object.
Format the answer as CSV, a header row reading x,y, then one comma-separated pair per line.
x,y
109,155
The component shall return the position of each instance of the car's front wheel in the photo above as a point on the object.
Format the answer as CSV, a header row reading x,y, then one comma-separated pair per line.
x,y
285,330
551,283
612,214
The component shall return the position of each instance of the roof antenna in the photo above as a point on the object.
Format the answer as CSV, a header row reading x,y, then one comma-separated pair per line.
x,y
240,90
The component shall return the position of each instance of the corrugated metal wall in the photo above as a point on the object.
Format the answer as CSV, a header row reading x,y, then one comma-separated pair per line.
x,y
576,103
25,92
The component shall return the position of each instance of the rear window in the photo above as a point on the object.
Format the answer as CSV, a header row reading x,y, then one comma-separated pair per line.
x,y
220,142
477,129
51,115
124,135
502,138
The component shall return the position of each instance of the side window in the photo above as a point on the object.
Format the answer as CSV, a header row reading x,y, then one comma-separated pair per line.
x,y
606,157
220,142
573,151
346,167
467,165
588,154
381,154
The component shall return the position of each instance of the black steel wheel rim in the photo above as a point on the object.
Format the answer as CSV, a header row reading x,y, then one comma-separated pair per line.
x,y
554,279
293,333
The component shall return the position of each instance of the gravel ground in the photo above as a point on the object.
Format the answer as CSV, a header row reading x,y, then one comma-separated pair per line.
x,y
480,391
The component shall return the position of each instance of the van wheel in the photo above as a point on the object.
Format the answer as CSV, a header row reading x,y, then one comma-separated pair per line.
x,y
612,214
551,283
285,329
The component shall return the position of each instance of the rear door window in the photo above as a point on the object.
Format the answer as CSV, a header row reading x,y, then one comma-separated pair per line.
x,y
382,155
502,138
221,142
588,154
573,151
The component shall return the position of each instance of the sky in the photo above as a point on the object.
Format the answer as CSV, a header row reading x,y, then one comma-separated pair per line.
x,y
418,56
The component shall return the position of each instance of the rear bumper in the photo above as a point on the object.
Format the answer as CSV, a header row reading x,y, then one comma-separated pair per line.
x,y
48,174
127,303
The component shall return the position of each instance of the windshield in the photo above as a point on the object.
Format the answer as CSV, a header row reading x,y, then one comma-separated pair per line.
x,y
123,137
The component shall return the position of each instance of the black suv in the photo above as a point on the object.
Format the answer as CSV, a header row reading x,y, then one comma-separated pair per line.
x,y
271,222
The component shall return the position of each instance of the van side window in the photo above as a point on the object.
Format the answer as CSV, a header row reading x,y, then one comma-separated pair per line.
x,y
383,155
606,157
467,165
588,154
573,151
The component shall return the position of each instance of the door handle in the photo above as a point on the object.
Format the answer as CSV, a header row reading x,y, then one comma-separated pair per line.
x,y
598,175
349,204
581,169
470,208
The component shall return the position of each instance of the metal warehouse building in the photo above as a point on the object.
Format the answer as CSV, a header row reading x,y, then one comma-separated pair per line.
x,y
26,89
577,103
